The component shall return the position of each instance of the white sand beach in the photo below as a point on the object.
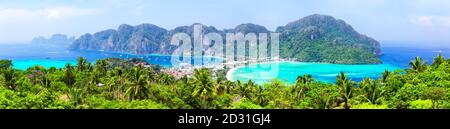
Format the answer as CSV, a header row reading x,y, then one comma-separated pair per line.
x,y
230,73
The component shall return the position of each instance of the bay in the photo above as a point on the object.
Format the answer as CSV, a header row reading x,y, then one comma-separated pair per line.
x,y
394,58
28,55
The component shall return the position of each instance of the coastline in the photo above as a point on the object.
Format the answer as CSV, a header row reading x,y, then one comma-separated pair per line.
x,y
229,74
231,71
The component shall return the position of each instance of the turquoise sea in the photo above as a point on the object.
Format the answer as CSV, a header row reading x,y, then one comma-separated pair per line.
x,y
289,71
393,58
26,55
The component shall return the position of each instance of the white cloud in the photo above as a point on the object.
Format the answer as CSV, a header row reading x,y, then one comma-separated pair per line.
x,y
432,21
67,12
431,28
15,14
22,24
11,15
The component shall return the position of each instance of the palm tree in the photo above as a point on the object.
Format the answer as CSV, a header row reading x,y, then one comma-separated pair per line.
x,y
139,82
153,76
203,85
223,86
76,95
9,74
82,64
5,64
300,85
96,77
85,81
323,102
418,65
385,76
112,87
182,83
438,60
137,72
52,69
45,79
345,87
261,97
119,79
100,66
373,92
237,85
228,86
305,79
39,75
184,79
246,90
69,77
89,67
166,79
138,89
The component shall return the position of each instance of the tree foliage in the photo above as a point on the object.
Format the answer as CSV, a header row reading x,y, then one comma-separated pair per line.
x,y
122,84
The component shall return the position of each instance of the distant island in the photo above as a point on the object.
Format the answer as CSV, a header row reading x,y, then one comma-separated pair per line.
x,y
320,38
315,38
54,40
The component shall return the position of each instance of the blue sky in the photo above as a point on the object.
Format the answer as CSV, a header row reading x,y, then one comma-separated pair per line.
x,y
385,20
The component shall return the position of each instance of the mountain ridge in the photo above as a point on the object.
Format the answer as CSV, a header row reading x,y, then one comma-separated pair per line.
x,y
54,40
314,38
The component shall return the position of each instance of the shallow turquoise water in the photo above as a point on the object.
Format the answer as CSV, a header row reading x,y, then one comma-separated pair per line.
x,y
25,64
289,71
25,56
29,55
393,58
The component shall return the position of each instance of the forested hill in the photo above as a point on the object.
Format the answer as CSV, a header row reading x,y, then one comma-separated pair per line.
x,y
315,38
321,38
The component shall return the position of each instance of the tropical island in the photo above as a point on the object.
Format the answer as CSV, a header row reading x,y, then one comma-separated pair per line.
x,y
315,38
124,83
56,39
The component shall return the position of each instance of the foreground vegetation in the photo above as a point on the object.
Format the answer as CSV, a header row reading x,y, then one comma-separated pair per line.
x,y
119,84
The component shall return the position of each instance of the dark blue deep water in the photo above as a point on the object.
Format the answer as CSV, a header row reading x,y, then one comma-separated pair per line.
x,y
25,56
401,56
